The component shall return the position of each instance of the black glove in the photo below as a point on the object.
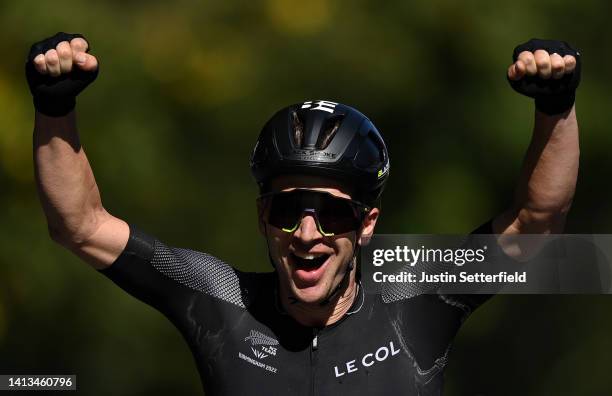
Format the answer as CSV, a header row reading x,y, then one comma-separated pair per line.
x,y
552,96
56,96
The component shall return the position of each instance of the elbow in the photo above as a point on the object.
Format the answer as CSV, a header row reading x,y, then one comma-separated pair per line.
x,y
543,212
538,221
64,238
55,234
75,233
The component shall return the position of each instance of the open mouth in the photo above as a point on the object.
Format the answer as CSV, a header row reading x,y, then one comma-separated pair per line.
x,y
308,261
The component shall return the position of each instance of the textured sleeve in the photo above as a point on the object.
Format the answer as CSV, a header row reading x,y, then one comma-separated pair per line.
x,y
399,291
469,302
169,278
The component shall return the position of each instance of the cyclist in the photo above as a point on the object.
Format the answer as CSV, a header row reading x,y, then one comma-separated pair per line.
x,y
307,327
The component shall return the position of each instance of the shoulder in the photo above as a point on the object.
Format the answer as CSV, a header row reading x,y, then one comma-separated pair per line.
x,y
207,274
149,267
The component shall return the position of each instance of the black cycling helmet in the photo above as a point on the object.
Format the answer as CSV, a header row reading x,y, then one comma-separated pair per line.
x,y
326,139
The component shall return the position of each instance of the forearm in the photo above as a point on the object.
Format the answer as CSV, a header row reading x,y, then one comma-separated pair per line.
x,y
548,177
66,184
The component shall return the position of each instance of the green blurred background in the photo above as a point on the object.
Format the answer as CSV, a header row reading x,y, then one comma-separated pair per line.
x,y
168,126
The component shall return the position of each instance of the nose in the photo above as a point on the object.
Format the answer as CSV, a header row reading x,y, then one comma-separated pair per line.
x,y
308,231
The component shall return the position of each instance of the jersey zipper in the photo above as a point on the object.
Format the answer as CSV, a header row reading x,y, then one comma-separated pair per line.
x,y
314,346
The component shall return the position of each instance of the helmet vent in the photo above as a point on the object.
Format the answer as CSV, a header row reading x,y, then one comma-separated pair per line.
x,y
329,131
382,151
298,129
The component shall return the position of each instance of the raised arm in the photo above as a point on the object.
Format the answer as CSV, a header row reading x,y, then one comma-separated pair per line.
x,y
58,69
549,72
548,176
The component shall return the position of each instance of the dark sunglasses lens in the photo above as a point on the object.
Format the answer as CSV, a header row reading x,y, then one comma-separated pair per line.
x,y
285,211
338,216
335,215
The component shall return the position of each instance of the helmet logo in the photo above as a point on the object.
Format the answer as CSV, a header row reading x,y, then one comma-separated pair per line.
x,y
383,171
324,105
313,155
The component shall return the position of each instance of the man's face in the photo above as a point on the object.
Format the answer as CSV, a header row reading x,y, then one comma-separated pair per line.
x,y
310,265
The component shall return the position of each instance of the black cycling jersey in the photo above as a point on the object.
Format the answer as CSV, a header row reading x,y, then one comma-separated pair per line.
x,y
389,342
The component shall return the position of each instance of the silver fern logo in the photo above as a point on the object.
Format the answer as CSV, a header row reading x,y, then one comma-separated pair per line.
x,y
262,345
258,338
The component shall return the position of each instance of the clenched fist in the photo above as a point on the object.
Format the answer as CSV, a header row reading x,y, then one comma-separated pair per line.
x,y
58,69
548,71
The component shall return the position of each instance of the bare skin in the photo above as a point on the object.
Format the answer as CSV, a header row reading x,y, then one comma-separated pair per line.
x,y
67,188
78,221
301,294
547,182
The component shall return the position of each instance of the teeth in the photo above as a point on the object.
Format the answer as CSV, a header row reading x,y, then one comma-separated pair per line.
x,y
308,256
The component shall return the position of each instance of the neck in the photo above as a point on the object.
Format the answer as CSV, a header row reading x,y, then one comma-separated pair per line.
x,y
317,315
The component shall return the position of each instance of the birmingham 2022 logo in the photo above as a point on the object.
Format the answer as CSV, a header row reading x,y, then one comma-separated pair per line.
x,y
261,344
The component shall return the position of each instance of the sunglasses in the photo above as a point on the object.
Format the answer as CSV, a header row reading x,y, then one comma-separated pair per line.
x,y
333,215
